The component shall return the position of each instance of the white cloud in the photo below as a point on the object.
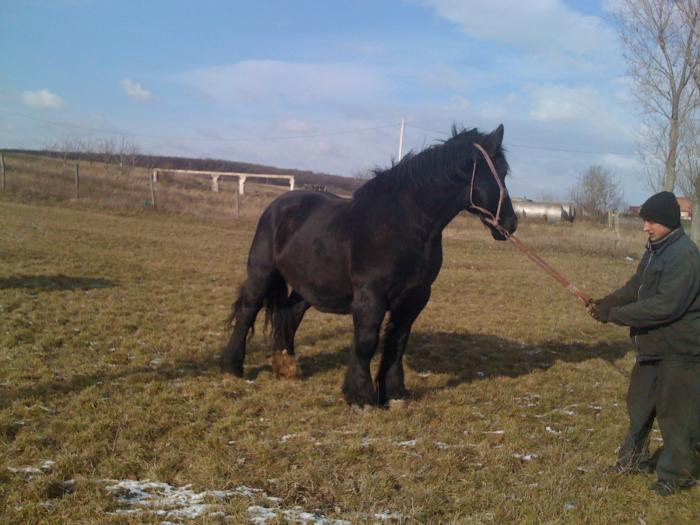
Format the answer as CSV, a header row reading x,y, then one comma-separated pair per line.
x,y
622,163
273,82
537,25
442,76
553,102
136,90
41,99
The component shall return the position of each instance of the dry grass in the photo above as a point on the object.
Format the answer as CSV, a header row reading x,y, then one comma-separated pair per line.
x,y
110,325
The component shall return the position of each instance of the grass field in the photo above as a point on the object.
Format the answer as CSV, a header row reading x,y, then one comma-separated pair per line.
x,y
110,327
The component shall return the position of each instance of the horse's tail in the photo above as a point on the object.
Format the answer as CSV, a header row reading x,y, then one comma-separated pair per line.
x,y
277,317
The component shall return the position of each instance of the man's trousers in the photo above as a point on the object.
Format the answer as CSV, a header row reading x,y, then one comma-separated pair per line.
x,y
670,392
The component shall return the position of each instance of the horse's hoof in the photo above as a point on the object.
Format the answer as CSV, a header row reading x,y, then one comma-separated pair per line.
x,y
236,370
285,366
359,400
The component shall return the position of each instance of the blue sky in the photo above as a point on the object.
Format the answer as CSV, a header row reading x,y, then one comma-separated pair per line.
x,y
323,85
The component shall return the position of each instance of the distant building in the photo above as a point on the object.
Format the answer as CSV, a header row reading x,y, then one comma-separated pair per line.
x,y
683,202
547,211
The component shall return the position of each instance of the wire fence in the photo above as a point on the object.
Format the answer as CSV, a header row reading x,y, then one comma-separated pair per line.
x,y
130,189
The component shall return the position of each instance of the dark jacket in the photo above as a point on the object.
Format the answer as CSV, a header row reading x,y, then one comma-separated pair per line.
x,y
661,302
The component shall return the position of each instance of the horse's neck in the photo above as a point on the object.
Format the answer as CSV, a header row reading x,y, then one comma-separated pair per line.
x,y
437,206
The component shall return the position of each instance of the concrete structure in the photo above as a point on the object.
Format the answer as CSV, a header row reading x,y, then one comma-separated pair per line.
x,y
552,212
216,175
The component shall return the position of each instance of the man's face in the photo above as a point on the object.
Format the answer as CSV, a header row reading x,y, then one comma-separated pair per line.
x,y
656,231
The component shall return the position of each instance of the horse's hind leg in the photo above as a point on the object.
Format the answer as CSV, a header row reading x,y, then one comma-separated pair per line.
x,y
284,361
390,376
261,283
245,310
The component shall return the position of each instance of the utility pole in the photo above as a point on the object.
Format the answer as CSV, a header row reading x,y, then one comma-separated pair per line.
x,y
403,125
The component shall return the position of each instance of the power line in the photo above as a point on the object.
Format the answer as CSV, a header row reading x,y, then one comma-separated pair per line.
x,y
207,139
543,148
284,137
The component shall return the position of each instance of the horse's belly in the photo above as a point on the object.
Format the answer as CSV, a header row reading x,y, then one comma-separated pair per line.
x,y
324,284
328,297
312,255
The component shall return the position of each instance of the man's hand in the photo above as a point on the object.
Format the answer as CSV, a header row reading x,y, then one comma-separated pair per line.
x,y
599,309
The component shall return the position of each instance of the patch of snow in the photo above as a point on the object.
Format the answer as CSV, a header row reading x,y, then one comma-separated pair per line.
x,y
163,499
182,504
525,457
366,442
33,471
551,430
262,515
409,443
386,515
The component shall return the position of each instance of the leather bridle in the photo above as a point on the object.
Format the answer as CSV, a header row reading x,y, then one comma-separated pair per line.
x,y
486,215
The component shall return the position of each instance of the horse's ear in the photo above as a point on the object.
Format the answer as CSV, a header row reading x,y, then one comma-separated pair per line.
x,y
495,139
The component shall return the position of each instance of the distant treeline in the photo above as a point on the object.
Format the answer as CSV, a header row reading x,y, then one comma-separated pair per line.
x,y
303,178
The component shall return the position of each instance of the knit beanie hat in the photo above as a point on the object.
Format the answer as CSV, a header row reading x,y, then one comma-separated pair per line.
x,y
662,208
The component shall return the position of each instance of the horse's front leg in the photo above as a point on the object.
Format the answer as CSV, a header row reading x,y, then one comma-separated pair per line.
x,y
390,376
368,314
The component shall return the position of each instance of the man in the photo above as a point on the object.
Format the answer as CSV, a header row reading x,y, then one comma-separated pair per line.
x,y
661,305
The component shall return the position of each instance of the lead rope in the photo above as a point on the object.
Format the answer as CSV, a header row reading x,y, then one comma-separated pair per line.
x,y
495,221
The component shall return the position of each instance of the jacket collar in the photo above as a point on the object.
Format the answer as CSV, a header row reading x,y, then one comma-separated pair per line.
x,y
658,246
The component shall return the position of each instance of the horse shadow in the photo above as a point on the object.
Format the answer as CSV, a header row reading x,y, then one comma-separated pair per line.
x,y
466,357
54,283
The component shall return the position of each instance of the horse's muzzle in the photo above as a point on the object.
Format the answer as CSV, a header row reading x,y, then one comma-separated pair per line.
x,y
501,231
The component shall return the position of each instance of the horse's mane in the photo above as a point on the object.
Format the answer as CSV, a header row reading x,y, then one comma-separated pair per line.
x,y
435,165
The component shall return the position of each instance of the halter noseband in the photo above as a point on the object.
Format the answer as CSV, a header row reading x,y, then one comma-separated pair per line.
x,y
487,216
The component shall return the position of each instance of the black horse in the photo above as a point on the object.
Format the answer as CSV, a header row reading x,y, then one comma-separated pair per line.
x,y
379,251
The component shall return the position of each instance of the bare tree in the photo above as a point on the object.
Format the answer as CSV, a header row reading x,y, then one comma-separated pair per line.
x,y
596,192
690,143
126,154
689,171
662,55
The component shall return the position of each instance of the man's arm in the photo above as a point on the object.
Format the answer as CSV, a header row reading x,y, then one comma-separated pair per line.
x,y
600,309
679,285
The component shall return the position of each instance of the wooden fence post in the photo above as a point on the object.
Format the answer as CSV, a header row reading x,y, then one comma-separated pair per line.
x,y
153,190
238,203
77,180
2,171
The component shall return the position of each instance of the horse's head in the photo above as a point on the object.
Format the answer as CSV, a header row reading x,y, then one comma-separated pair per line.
x,y
486,191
